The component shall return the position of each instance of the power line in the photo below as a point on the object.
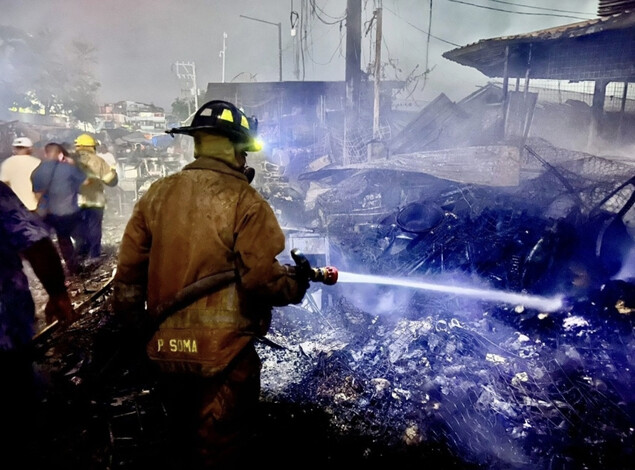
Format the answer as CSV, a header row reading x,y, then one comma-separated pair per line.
x,y
422,30
516,12
425,78
337,48
315,12
541,8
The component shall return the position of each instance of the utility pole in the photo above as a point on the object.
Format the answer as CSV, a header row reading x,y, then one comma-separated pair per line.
x,y
279,25
187,71
221,54
377,72
353,68
297,40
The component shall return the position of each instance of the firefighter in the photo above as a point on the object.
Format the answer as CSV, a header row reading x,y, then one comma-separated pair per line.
x,y
92,198
202,221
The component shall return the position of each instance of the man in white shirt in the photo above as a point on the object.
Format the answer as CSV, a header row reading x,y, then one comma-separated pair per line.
x,y
104,152
16,171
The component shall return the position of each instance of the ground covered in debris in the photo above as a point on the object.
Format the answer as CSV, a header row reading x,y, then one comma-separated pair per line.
x,y
367,374
428,385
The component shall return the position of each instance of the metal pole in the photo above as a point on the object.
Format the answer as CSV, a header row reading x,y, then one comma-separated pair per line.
x,y
195,88
279,25
622,108
222,54
505,91
280,51
353,71
378,33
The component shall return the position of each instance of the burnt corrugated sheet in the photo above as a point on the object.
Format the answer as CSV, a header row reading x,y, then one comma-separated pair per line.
x,y
427,128
612,7
442,124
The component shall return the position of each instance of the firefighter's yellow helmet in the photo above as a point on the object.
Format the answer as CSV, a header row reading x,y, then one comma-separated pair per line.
x,y
85,140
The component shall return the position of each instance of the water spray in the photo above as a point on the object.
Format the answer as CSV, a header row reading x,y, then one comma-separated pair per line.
x,y
329,275
544,304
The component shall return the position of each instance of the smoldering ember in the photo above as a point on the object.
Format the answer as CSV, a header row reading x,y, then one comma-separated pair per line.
x,y
485,253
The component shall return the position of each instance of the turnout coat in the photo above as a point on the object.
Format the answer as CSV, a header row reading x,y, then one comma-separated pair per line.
x,y
203,220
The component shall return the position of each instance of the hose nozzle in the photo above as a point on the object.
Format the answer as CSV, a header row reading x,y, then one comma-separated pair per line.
x,y
326,274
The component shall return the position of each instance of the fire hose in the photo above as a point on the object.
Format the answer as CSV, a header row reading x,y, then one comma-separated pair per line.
x,y
210,284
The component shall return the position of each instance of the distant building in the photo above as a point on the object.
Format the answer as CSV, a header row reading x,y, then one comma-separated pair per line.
x,y
132,114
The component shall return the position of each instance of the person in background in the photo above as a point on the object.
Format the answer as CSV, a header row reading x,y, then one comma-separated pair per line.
x,y
16,171
56,182
113,193
24,236
92,198
104,152
206,220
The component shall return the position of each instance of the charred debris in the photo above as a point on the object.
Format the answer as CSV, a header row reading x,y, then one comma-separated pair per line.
x,y
363,373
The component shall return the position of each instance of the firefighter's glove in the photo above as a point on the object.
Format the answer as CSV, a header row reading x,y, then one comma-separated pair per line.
x,y
300,282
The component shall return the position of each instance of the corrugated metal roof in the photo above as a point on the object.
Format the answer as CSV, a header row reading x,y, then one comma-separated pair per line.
x,y
488,55
611,7
582,28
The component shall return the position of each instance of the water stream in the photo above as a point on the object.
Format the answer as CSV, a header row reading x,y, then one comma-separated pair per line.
x,y
544,304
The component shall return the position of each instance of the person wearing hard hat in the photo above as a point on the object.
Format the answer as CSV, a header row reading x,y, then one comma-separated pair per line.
x,y
92,198
206,222
16,171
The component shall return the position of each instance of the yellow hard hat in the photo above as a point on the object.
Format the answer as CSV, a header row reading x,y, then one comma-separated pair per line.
x,y
85,140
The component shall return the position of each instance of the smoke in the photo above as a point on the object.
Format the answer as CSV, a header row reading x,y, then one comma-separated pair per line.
x,y
628,267
389,302
138,42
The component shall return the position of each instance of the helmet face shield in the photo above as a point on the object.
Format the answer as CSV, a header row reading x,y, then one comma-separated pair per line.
x,y
223,118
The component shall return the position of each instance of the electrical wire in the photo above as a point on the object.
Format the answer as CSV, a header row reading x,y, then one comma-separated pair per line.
x,y
515,12
317,15
423,30
425,77
337,48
